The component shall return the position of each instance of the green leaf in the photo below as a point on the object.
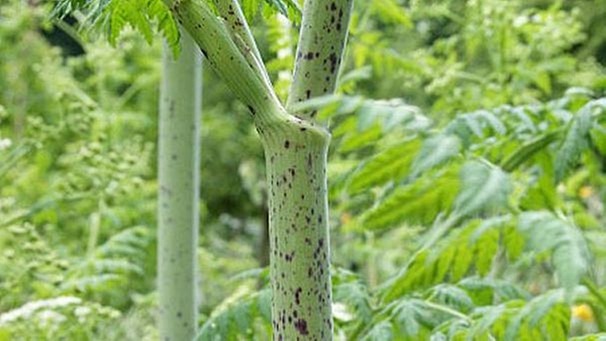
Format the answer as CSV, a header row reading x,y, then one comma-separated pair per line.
x,y
475,124
236,319
577,138
158,11
366,114
418,202
435,150
528,150
355,295
391,11
250,8
541,193
544,232
490,291
122,13
390,165
476,244
483,187
115,15
452,296
546,314
379,332
488,317
288,8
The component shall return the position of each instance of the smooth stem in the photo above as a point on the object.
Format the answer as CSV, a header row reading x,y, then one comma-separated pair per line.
x,y
320,50
298,230
178,165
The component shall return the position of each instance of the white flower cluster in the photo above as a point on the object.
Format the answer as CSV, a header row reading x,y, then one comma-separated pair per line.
x,y
5,143
30,308
81,313
49,318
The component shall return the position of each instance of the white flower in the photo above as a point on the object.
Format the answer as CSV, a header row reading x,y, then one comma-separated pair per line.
x,y
5,143
82,311
341,312
520,21
28,309
50,317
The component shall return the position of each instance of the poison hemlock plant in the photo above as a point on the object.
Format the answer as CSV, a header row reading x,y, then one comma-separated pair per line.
x,y
496,216
295,144
295,149
474,272
496,244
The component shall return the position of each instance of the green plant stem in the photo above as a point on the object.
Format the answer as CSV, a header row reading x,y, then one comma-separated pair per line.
x,y
295,151
298,230
236,22
320,49
178,216
229,60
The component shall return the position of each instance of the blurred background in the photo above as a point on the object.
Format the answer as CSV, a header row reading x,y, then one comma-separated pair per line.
x,y
470,80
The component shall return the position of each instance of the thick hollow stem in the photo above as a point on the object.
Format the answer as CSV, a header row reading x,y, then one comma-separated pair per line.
x,y
228,55
298,231
231,12
320,49
295,148
178,165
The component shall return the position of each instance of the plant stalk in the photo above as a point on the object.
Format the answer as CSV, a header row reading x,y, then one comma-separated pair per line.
x,y
178,209
295,150
320,49
298,229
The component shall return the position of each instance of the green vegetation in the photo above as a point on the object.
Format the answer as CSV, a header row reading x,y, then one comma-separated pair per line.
x,y
462,196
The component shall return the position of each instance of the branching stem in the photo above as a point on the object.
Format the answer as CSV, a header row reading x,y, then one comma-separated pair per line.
x,y
320,50
295,149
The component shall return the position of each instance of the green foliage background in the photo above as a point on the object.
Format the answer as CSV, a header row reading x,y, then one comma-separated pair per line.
x,y
467,173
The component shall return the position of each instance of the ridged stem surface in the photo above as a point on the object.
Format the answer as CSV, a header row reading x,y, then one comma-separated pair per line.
x,y
298,229
320,49
295,149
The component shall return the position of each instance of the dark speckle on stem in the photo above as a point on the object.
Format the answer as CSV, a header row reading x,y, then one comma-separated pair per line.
x,y
301,326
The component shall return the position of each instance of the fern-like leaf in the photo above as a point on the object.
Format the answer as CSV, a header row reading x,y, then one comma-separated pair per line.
x,y
544,232
484,187
392,164
435,150
236,320
577,137
418,202
465,249
115,15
